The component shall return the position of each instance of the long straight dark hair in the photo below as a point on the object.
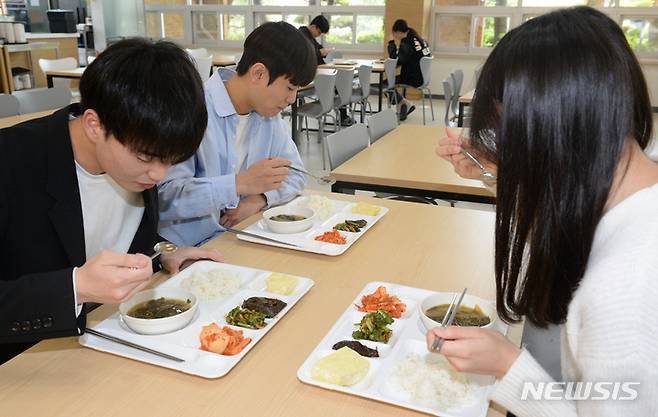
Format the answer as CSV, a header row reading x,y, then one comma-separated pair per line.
x,y
554,104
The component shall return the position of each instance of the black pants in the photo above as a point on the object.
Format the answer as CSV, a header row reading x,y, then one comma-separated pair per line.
x,y
398,96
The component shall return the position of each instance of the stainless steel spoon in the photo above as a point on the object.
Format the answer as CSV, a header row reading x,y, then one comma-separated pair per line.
x,y
162,248
486,175
324,180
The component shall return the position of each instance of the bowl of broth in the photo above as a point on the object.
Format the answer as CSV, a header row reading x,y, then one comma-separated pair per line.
x,y
289,219
473,311
159,310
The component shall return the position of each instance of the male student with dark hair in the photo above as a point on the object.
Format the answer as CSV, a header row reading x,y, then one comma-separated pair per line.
x,y
242,164
78,206
318,27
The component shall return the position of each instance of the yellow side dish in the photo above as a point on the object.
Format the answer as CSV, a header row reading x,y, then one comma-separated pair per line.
x,y
367,209
344,367
281,283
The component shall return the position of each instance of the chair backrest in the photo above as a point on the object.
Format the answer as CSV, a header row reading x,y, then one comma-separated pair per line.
x,y
58,64
40,99
198,52
389,70
203,65
426,70
381,123
448,96
325,83
457,78
364,73
8,105
346,143
344,78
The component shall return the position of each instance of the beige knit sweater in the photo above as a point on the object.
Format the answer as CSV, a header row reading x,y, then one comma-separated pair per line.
x,y
611,332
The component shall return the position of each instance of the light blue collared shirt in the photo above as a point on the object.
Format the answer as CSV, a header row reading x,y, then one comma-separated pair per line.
x,y
197,190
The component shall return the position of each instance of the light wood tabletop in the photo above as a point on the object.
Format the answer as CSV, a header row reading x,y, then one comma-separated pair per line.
x,y
404,162
437,248
13,120
223,60
377,65
74,74
467,97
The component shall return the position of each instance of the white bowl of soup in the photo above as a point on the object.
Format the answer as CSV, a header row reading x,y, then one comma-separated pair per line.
x,y
473,312
159,310
289,219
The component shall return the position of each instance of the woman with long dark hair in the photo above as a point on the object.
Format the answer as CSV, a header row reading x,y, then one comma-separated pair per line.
x,y
408,47
561,109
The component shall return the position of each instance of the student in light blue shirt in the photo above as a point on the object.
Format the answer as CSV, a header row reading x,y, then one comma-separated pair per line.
x,y
242,164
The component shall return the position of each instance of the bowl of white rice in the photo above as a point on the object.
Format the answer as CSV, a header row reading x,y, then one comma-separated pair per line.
x,y
214,284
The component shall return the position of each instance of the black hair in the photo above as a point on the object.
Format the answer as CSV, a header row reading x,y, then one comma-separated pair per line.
x,y
149,96
284,50
401,25
321,23
560,94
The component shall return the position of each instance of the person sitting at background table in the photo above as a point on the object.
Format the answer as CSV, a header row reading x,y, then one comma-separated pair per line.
x,y
242,164
408,47
77,191
319,26
564,115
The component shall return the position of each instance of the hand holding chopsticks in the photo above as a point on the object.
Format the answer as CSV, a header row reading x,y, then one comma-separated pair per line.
x,y
448,319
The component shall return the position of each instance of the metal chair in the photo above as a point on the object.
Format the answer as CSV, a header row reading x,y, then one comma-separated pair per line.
x,y
204,66
325,83
448,118
361,93
8,105
343,145
426,70
198,52
40,99
60,64
389,69
381,123
344,79
457,78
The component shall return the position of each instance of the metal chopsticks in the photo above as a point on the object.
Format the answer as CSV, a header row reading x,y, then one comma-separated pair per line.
x,y
257,236
448,319
132,345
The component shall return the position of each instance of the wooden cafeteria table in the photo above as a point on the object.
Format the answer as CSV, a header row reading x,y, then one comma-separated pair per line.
x,y
74,74
223,60
438,248
464,100
403,162
13,120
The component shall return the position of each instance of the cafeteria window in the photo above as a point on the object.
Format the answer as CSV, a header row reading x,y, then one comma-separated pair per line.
x,y
212,26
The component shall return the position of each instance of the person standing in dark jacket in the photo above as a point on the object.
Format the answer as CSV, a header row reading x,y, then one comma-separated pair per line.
x,y
318,27
408,47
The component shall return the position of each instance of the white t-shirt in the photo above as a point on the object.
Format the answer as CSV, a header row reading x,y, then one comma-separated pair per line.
x,y
111,214
241,142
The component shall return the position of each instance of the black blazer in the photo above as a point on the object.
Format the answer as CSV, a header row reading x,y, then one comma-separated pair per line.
x,y
41,230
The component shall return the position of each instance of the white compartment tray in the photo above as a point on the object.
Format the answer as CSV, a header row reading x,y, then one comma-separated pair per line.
x,y
185,343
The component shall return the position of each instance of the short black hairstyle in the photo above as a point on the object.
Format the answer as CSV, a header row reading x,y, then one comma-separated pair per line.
x,y
284,50
321,23
149,96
